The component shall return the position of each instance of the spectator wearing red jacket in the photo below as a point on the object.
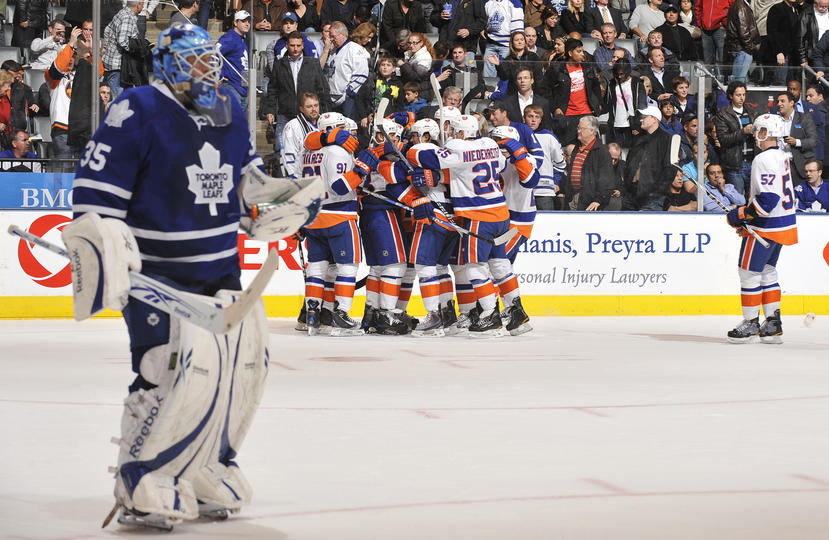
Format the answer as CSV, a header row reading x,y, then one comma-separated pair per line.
x,y
711,17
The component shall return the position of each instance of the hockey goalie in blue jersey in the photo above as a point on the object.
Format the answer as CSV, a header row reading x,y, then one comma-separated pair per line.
x,y
162,188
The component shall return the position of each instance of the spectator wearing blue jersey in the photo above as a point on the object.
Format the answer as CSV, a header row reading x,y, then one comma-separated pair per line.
x,y
234,48
504,17
813,194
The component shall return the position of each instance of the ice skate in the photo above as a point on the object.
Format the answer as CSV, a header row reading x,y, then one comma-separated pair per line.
x,y
301,326
772,329
465,320
518,322
409,320
430,326
390,323
449,318
746,332
143,520
326,321
342,325
488,325
312,317
369,320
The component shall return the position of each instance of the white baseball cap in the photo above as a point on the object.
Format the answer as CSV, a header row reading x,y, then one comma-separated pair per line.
x,y
241,15
651,110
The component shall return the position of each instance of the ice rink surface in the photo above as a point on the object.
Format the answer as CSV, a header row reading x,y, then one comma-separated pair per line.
x,y
587,428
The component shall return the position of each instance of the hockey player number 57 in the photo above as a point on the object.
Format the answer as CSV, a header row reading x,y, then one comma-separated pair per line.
x,y
485,181
94,155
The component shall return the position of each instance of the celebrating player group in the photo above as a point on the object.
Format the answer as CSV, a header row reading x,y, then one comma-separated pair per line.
x,y
422,209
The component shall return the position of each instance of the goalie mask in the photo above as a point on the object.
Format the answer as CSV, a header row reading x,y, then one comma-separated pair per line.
x,y
189,63
773,125
331,120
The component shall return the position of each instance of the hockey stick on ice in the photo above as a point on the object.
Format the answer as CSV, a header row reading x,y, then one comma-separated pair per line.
x,y
212,317
674,158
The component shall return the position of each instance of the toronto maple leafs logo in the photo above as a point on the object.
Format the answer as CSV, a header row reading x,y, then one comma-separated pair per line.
x,y
212,181
118,112
495,22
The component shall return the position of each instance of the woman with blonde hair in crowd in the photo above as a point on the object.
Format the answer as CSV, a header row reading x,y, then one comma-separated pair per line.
x,y
573,19
417,63
364,35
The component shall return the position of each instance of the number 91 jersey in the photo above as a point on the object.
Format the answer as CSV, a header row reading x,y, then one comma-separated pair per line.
x,y
472,168
772,196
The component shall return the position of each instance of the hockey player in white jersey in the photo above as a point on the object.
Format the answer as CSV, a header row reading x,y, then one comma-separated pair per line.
x,y
159,189
770,212
472,168
519,179
334,237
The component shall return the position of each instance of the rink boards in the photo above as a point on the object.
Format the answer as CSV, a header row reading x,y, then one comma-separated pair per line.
x,y
575,264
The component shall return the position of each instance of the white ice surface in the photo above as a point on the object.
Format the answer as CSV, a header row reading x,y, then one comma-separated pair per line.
x,y
587,428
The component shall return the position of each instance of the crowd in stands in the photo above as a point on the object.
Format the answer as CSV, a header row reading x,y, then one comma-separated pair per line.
x,y
612,111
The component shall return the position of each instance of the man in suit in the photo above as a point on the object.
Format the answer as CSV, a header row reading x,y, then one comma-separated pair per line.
x,y
293,75
660,75
517,101
602,13
799,136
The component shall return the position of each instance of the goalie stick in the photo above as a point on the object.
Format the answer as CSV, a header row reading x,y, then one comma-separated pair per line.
x,y
674,159
212,317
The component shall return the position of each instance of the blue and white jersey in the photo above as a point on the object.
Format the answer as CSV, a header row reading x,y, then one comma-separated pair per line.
x,y
504,17
172,177
234,48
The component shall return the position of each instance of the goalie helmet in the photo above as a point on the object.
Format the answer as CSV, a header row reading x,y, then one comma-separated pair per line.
x,y
773,124
330,120
504,132
427,125
467,124
194,84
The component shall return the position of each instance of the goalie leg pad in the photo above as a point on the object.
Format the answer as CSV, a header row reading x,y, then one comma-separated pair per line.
x,y
101,252
180,437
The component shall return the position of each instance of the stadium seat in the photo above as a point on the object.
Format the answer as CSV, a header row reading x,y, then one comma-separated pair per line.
x,y
9,53
261,38
590,44
34,78
629,44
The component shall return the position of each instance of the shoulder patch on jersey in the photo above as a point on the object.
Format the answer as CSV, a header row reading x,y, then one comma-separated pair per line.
x,y
117,113
211,181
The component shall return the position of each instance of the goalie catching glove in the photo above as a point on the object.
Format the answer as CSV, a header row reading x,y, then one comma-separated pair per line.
x,y
101,252
279,206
